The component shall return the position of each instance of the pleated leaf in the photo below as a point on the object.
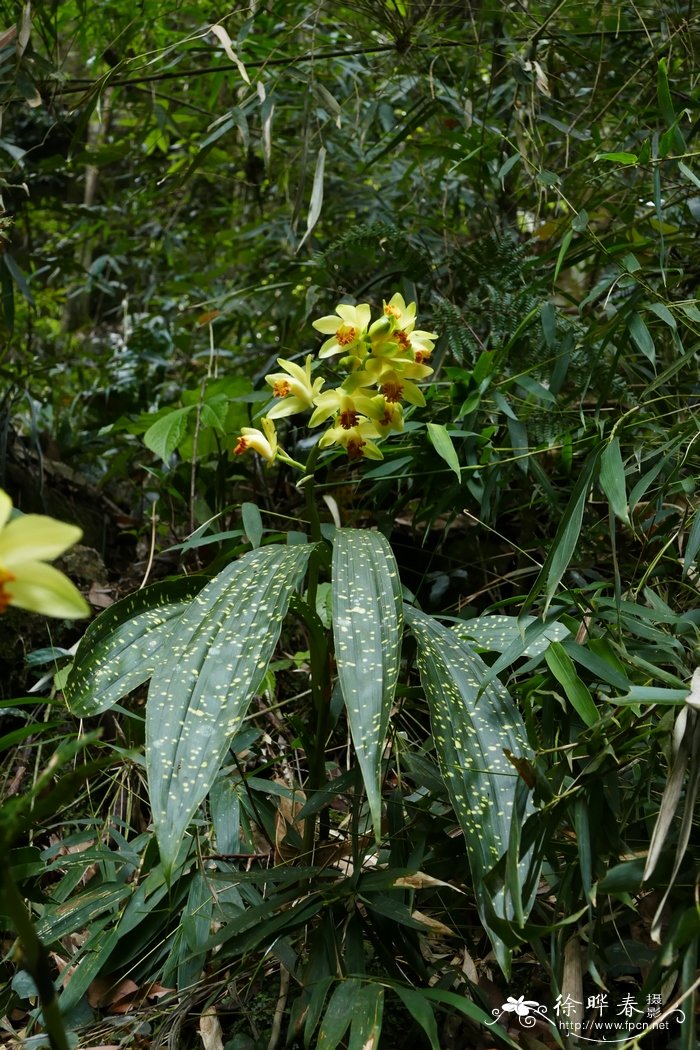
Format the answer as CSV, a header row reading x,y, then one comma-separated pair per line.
x,y
471,732
367,626
118,652
207,675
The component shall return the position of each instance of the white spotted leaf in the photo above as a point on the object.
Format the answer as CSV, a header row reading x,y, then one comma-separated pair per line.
x,y
497,633
472,727
118,652
367,627
215,661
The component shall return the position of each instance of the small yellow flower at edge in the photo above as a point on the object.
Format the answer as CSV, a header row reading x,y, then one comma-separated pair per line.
x,y
263,443
295,389
27,543
347,329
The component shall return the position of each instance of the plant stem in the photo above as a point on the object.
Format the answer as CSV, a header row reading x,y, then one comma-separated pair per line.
x,y
35,958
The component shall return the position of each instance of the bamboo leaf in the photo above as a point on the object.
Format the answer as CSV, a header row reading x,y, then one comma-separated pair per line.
x,y
338,1015
421,1013
367,625
367,1018
118,651
442,443
472,726
316,197
566,537
642,336
227,45
207,675
692,544
612,479
562,667
252,523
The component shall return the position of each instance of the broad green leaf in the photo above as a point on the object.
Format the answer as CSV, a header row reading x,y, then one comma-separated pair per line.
x,y
497,633
167,432
472,727
562,667
566,538
206,677
442,443
421,1012
118,651
367,626
339,1014
367,1018
612,479
642,336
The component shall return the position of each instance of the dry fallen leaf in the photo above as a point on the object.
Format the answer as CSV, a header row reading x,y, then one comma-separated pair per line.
x,y
100,597
433,925
210,1031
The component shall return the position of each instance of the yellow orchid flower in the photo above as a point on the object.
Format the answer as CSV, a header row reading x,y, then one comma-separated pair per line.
x,y
403,316
390,418
347,329
405,333
346,406
27,543
393,377
295,389
262,441
355,440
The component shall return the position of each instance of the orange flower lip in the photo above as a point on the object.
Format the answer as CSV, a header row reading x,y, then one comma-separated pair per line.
x,y
281,388
5,598
240,447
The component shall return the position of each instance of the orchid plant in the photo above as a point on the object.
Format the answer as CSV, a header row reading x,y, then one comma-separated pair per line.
x,y
206,644
382,361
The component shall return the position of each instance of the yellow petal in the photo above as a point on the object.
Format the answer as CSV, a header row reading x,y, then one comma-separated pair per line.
x,y
33,537
5,507
42,589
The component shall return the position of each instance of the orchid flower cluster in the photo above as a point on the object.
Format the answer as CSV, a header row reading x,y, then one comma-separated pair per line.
x,y
383,360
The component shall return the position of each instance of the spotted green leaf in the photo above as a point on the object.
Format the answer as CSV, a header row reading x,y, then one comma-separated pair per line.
x,y
207,675
367,626
496,633
472,727
118,651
